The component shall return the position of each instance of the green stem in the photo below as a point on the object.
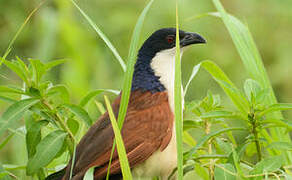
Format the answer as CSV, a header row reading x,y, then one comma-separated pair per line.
x,y
71,140
253,122
211,166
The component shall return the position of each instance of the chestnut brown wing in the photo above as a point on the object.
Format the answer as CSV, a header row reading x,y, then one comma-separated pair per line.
x,y
147,128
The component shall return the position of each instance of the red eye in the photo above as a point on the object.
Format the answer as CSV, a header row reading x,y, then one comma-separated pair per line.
x,y
170,39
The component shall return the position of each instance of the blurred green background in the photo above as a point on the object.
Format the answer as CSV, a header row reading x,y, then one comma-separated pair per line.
x,y
58,30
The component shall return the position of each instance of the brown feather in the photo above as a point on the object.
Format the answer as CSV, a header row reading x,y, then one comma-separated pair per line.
x,y
146,129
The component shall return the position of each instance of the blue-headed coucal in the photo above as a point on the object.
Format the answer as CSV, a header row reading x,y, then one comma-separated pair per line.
x,y
148,131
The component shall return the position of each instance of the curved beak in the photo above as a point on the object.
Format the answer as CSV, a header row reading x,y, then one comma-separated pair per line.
x,y
192,38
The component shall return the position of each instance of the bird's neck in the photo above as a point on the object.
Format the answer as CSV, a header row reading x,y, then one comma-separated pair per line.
x,y
144,77
156,74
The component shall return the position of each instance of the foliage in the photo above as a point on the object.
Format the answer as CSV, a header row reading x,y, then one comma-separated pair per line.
x,y
54,122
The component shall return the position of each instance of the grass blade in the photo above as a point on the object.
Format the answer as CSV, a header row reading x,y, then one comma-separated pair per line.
x,y
130,69
178,103
20,29
126,171
101,35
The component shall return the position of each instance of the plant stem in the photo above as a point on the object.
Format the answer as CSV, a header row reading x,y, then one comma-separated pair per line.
x,y
211,166
71,140
253,122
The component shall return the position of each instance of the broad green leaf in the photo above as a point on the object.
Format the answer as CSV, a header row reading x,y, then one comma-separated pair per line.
x,y
101,35
17,68
23,67
73,125
89,175
221,174
252,88
285,146
52,64
203,140
80,112
120,144
276,107
8,89
13,167
15,112
277,122
201,171
188,139
38,70
269,164
189,124
6,99
62,90
94,93
46,150
33,137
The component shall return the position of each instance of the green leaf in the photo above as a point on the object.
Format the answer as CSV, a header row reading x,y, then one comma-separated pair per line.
x,y
285,146
52,64
230,89
62,90
194,73
269,164
219,114
6,99
252,88
253,63
80,112
102,36
33,137
120,144
189,124
188,139
17,68
38,70
23,67
15,112
203,140
73,125
89,175
221,174
276,107
46,150
4,175
6,140
7,89
94,93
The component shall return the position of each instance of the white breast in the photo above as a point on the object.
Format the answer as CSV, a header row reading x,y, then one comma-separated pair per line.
x,y
162,163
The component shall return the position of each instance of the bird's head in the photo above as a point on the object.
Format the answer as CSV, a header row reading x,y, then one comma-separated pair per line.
x,y
165,39
154,69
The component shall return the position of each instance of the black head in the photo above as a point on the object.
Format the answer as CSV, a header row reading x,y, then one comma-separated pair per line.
x,y
165,38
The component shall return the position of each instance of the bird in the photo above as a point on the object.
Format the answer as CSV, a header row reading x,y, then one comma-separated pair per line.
x,y
148,131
